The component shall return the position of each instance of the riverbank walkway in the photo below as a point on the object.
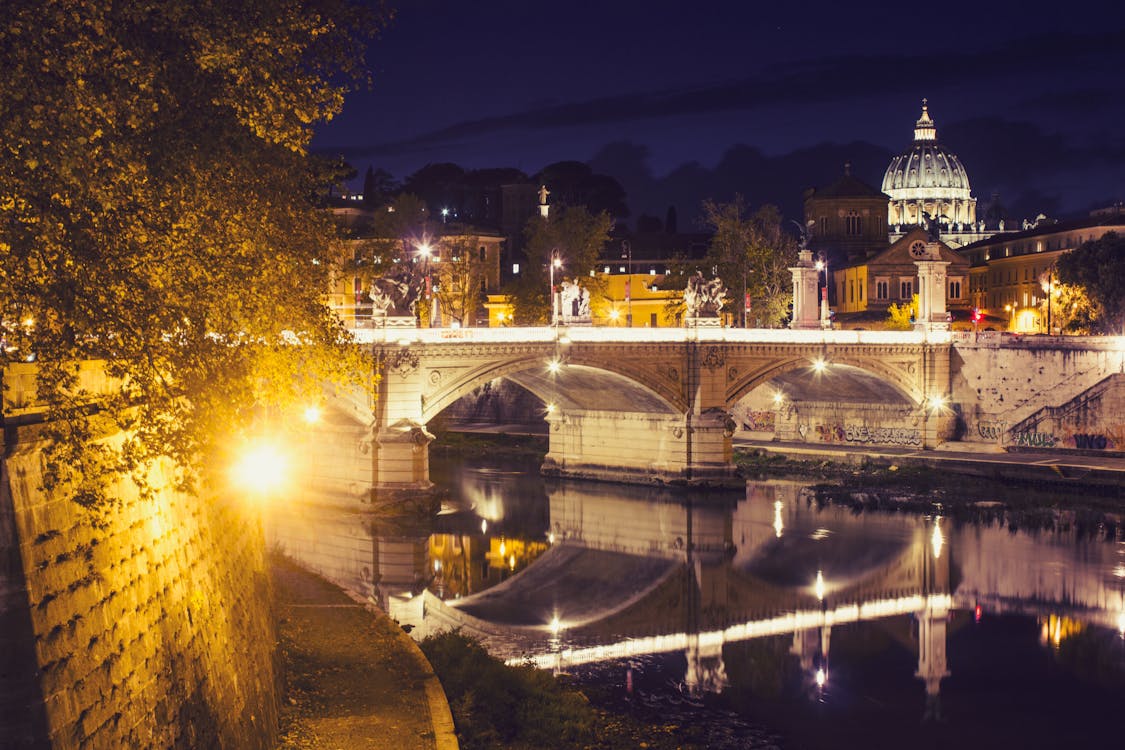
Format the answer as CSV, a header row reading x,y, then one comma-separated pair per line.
x,y
973,459
353,678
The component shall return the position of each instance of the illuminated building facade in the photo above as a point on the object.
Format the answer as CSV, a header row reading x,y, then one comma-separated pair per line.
x,y
891,277
928,179
1011,274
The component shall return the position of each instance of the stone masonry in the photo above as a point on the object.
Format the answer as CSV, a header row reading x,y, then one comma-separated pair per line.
x,y
147,625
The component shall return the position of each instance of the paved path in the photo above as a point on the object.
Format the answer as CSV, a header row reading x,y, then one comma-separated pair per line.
x,y
983,458
354,679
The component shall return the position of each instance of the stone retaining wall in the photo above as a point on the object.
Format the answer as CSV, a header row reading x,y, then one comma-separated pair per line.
x,y
146,626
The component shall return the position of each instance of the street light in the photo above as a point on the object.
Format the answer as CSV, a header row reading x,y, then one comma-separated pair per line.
x,y
556,262
822,265
1050,284
425,252
627,253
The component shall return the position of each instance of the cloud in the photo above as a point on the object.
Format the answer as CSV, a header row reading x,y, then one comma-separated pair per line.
x,y
823,80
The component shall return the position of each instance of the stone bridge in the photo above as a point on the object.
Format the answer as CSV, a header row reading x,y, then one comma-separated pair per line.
x,y
649,405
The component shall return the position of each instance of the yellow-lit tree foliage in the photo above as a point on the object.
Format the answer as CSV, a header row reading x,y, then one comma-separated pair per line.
x,y
901,317
157,213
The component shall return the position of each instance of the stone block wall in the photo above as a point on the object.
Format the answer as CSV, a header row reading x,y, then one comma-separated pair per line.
x,y
148,625
1003,381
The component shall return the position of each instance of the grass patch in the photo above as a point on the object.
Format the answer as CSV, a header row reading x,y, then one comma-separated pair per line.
x,y
522,707
476,445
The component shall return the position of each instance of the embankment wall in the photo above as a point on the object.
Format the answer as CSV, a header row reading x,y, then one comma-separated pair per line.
x,y
145,625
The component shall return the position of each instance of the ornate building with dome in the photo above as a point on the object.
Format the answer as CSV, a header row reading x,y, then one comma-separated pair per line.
x,y
929,180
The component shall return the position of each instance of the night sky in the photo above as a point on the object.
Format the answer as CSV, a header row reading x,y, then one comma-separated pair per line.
x,y
688,100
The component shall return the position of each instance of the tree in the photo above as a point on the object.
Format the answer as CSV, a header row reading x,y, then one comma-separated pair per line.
x,y
579,237
460,277
902,317
157,213
752,254
573,183
1098,267
378,186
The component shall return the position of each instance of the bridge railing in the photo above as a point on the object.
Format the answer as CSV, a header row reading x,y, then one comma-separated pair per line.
x,y
583,334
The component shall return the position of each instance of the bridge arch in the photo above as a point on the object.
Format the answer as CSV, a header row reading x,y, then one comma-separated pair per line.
x,y
901,381
582,382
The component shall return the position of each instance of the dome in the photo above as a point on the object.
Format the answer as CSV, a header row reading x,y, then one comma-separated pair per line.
x,y
926,171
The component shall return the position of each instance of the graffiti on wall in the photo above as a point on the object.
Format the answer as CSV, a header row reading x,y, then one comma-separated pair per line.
x,y
834,432
830,433
759,421
883,435
990,430
1033,439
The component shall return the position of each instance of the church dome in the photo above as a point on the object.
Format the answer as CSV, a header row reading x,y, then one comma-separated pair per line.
x,y
926,171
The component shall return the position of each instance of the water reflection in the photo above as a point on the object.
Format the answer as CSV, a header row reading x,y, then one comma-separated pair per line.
x,y
762,596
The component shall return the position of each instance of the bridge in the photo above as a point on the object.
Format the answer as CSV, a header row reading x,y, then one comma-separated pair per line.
x,y
644,405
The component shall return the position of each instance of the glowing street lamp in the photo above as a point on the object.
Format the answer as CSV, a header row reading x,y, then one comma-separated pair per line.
x,y
426,254
822,265
260,469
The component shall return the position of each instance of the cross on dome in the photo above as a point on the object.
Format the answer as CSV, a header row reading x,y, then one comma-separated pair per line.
x,y
924,129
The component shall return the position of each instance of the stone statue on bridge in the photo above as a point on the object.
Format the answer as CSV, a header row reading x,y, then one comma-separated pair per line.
x,y
704,298
396,294
574,302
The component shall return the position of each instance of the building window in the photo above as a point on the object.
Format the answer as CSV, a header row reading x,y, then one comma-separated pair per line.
x,y
851,290
853,224
906,289
483,252
882,289
955,289
861,290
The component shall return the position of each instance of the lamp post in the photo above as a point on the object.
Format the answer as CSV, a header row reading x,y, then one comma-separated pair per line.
x,y
822,265
556,262
627,253
1050,284
425,252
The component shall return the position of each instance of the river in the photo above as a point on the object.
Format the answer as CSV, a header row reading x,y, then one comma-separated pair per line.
x,y
771,618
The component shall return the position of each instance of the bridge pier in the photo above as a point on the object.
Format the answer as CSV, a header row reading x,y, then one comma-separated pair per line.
x,y
401,443
640,447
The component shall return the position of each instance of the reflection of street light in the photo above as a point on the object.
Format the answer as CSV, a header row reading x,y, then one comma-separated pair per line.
x,y
556,262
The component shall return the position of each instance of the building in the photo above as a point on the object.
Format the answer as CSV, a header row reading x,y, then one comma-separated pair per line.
x,y
929,180
1011,274
460,269
845,220
865,290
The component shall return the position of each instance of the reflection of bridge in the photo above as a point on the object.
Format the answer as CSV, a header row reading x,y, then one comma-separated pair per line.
x,y
631,576
653,404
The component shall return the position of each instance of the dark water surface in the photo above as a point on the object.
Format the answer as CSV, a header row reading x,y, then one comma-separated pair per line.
x,y
758,615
